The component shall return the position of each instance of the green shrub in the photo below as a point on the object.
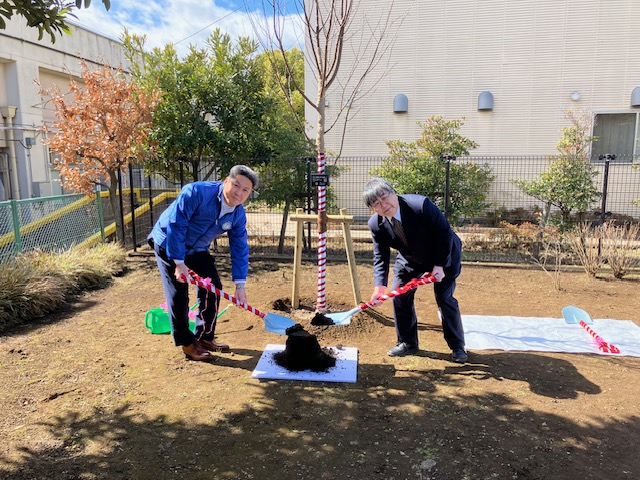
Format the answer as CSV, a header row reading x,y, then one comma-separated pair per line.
x,y
416,167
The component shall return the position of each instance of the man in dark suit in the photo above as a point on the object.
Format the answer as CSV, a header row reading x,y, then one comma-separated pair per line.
x,y
417,229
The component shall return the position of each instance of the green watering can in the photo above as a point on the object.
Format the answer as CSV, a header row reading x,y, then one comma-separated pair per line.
x,y
158,322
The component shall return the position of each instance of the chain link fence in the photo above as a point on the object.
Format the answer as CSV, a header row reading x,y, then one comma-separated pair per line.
x,y
271,231
59,222
49,223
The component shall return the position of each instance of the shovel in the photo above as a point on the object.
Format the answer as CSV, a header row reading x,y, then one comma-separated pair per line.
x,y
573,314
344,318
272,322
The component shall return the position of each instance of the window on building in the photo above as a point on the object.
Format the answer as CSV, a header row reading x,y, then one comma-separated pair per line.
x,y
617,134
4,177
54,175
56,187
2,189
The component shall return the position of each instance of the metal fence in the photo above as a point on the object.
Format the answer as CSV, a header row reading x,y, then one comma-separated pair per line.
x,y
49,223
271,232
506,200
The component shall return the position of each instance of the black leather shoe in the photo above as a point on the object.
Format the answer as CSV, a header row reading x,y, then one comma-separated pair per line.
x,y
402,349
459,355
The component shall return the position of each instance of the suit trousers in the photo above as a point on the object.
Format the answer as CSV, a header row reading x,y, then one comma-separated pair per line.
x,y
404,311
177,295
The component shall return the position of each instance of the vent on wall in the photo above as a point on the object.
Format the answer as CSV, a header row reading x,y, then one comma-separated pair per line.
x,y
485,101
635,97
400,103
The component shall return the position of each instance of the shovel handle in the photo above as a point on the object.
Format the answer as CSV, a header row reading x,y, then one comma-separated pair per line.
x,y
602,345
196,279
410,285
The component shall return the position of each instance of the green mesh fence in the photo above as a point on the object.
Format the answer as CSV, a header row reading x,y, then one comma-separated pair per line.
x,y
50,223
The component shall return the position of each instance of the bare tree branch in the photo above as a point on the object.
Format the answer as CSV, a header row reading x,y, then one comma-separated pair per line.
x,y
330,26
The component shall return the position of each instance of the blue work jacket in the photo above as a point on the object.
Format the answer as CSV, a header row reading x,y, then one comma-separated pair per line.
x,y
193,221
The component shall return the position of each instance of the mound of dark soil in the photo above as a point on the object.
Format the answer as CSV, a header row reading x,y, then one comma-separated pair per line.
x,y
303,352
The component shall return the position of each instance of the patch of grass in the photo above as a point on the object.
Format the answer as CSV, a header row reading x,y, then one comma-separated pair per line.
x,y
37,283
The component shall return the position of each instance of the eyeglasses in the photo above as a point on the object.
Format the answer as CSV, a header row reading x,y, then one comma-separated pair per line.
x,y
380,200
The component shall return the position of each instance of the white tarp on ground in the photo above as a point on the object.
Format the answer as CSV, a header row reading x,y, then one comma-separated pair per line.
x,y
345,370
548,334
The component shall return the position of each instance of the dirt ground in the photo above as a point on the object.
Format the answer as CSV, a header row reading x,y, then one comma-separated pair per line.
x,y
90,393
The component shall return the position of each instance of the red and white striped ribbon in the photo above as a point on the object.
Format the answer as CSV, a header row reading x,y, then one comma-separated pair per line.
x,y
196,279
602,345
412,284
321,304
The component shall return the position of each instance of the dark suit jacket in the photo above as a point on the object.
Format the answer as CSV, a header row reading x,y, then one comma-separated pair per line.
x,y
429,235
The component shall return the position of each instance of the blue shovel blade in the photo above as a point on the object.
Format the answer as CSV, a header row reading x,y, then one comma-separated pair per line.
x,y
343,318
573,314
277,323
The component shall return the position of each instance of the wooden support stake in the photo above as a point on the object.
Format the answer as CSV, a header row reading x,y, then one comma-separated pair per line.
x,y
299,217
351,259
297,264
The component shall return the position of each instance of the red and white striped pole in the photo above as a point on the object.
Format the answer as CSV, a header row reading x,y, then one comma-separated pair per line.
x,y
206,283
602,345
411,285
321,303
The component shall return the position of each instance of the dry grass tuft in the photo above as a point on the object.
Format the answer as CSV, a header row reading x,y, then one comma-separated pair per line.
x,y
585,241
617,245
36,283
621,247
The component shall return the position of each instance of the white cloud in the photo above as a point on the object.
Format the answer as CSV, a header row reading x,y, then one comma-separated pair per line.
x,y
181,22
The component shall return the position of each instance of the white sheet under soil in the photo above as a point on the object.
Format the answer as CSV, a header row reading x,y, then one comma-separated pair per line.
x,y
548,335
345,370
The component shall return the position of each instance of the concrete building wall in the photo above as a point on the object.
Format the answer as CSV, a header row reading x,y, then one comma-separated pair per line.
x,y
24,60
531,55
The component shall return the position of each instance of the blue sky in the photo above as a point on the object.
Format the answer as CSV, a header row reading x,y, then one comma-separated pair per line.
x,y
182,22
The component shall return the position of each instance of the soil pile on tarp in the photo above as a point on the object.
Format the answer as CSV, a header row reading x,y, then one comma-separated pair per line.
x,y
303,352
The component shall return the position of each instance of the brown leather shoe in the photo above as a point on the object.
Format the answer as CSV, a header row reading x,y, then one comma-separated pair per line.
x,y
197,353
213,346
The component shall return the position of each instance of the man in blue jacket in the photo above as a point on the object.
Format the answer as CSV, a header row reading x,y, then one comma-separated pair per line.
x,y
417,229
181,239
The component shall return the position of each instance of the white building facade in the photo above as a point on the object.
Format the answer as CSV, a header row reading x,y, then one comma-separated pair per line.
x,y
511,68
26,168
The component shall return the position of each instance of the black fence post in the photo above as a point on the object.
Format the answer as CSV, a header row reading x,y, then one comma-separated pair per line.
x,y
605,182
447,201
181,173
607,160
307,241
150,200
121,213
133,209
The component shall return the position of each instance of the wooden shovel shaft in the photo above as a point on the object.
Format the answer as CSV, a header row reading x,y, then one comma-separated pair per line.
x,y
206,283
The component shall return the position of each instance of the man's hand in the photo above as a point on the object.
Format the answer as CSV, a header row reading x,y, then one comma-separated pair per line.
x,y
241,294
378,291
181,269
438,273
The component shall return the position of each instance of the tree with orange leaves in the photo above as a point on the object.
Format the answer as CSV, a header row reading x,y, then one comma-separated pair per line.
x,y
100,131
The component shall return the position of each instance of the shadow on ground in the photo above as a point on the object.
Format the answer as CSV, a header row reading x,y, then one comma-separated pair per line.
x,y
390,425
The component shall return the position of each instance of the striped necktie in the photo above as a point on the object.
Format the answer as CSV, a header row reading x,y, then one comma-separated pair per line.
x,y
399,231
